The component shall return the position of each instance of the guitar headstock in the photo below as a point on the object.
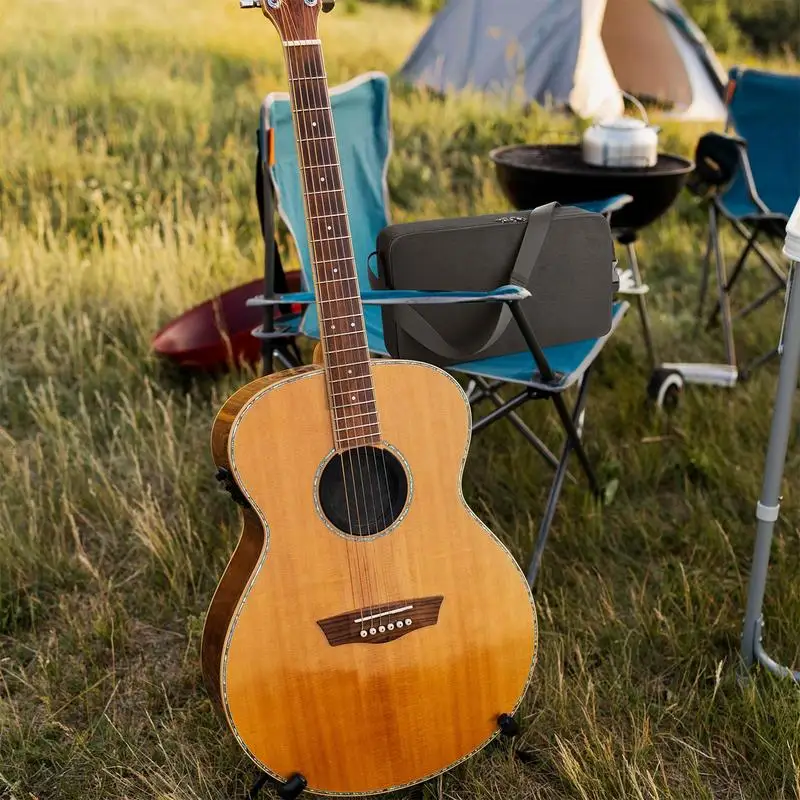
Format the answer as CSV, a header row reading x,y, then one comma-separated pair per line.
x,y
295,20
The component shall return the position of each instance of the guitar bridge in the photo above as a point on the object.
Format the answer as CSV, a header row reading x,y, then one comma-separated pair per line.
x,y
381,623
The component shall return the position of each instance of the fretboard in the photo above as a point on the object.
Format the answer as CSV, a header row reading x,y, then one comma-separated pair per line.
x,y
351,394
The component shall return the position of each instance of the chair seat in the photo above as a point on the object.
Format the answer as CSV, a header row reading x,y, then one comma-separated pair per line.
x,y
568,361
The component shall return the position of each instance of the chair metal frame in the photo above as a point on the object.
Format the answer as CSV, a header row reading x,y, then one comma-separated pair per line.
x,y
546,382
764,223
768,506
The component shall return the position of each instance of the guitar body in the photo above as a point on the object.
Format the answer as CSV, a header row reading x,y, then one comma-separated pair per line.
x,y
371,661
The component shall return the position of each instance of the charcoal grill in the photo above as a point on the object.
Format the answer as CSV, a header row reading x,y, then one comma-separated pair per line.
x,y
534,174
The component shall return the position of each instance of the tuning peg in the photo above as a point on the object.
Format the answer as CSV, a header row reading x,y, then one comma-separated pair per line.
x,y
249,4
327,5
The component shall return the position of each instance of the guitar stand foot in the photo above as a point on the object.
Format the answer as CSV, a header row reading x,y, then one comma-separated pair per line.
x,y
509,728
508,725
286,791
293,787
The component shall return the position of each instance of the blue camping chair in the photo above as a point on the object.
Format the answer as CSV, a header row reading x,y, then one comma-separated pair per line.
x,y
750,178
361,118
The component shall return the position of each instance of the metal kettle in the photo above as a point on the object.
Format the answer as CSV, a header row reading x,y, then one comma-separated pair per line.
x,y
624,142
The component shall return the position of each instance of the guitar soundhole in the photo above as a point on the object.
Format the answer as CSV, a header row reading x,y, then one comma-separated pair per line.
x,y
363,490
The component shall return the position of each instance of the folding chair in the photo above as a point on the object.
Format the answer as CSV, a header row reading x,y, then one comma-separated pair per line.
x,y
751,179
361,118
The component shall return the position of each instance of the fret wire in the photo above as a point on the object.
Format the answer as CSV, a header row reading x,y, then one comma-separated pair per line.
x,y
344,316
351,417
329,239
350,380
337,299
326,281
356,425
354,332
362,426
350,393
368,436
348,349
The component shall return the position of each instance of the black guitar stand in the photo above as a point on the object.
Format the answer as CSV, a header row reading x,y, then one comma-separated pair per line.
x,y
289,790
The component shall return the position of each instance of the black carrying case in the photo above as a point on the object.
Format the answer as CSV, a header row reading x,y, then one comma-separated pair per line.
x,y
563,255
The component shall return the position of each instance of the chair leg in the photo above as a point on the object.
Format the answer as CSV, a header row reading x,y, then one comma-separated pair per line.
x,y
756,304
722,282
704,277
571,443
737,269
489,392
765,257
574,437
641,304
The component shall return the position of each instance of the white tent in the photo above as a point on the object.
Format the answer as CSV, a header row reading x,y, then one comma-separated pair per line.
x,y
577,53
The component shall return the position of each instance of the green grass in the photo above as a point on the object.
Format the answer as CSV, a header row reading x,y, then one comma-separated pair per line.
x,y
126,156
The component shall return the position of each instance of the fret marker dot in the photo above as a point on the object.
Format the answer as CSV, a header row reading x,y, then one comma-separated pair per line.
x,y
313,124
352,324
353,397
322,179
349,372
335,269
329,227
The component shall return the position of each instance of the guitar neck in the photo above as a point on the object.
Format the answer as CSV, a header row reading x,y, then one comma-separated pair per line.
x,y
351,394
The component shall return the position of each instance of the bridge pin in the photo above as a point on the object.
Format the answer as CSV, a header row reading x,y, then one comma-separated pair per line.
x,y
399,623
372,631
390,626
381,629
363,634
408,620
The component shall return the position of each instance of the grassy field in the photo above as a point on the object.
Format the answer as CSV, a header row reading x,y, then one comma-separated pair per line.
x,y
126,157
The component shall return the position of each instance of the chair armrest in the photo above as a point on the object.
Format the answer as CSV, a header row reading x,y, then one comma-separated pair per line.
x,y
607,206
718,156
505,294
298,298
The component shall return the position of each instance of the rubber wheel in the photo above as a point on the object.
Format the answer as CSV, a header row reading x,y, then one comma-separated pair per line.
x,y
665,388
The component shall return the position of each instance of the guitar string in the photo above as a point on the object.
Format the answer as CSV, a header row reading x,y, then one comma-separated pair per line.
x,y
312,143
340,249
296,89
332,246
379,508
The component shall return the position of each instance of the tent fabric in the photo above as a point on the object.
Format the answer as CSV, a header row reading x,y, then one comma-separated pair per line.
x,y
578,53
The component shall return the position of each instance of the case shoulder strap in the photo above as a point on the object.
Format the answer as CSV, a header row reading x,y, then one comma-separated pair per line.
x,y
416,326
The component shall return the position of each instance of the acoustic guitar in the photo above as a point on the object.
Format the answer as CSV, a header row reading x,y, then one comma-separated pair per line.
x,y
369,631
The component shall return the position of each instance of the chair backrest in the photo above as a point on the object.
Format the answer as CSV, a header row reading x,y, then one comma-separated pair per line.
x,y
361,119
764,109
